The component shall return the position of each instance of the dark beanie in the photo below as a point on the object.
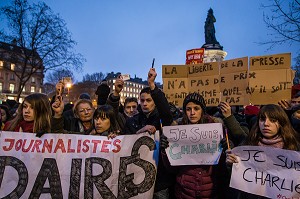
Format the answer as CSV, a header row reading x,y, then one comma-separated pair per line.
x,y
196,98
84,96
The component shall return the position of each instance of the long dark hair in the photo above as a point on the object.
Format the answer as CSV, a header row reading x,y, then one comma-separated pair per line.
x,y
107,111
42,113
286,131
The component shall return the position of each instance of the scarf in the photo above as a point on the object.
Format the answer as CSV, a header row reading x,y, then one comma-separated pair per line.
x,y
276,142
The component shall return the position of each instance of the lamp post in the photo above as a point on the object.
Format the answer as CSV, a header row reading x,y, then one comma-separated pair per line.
x,y
68,85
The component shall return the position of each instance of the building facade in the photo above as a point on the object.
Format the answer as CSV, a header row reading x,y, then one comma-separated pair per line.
x,y
132,87
11,67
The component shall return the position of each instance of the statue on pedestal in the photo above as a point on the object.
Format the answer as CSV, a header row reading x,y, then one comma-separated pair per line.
x,y
210,37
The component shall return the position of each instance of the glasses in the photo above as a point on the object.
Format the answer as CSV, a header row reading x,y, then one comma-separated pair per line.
x,y
83,110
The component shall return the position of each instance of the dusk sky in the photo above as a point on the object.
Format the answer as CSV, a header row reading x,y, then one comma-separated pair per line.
x,y
125,35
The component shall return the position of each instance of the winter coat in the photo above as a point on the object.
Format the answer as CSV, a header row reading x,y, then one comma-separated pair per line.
x,y
161,113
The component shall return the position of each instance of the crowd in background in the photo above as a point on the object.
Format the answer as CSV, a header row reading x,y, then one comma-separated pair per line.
x,y
268,125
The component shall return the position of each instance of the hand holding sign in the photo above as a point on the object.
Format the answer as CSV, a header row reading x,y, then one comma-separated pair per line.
x,y
230,157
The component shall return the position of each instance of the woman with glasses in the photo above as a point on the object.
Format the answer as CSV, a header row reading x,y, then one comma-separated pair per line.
x,y
81,124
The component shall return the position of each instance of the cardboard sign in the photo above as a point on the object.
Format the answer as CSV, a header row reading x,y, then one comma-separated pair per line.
x,y
269,80
174,71
267,171
271,62
77,166
234,65
196,144
176,89
270,86
208,87
203,69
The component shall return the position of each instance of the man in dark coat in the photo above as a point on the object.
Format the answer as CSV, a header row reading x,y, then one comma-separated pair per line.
x,y
155,113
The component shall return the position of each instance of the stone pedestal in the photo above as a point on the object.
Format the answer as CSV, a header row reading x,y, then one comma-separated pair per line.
x,y
212,55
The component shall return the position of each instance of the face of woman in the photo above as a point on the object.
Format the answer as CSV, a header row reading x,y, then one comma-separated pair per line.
x,y
85,112
269,127
3,115
28,112
101,124
193,112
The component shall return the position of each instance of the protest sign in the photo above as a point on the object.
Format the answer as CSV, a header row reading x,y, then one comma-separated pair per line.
x,y
194,56
267,79
77,166
271,62
208,87
270,86
267,171
196,144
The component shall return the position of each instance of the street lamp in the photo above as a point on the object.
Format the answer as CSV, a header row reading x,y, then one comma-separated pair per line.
x,y
68,85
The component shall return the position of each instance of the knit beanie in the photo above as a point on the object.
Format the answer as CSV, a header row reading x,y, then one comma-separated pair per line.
x,y
84,96
196,98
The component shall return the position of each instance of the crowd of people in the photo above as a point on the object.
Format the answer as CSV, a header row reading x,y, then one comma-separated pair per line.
x,y
268,125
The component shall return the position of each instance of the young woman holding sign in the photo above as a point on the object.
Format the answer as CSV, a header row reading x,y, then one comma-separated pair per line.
x,y
272,129
33,115
197,181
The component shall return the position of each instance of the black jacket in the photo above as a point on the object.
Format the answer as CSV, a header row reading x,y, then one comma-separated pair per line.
x,y
161,114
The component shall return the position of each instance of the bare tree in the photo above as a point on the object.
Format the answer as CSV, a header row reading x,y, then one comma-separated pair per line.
x,y
42,37
283,21
58,75
94,77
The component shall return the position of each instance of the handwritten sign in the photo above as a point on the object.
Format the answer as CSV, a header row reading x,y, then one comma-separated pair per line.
x,y
196,144
77,166
271,62
267,171
267,80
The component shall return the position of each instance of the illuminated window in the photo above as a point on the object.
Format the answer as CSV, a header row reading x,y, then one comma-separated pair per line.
x,y
1,64
12,66
40,90
23,89
32,79
32,89
11,88
1,86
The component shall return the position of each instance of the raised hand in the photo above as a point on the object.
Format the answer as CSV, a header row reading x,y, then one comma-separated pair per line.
x,y
58,107
225,109
151,78
119,85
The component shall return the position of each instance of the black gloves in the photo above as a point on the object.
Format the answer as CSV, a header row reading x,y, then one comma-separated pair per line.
x,y
164,143
224,145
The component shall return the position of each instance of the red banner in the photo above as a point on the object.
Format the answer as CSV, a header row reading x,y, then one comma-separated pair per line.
x,y
194,56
